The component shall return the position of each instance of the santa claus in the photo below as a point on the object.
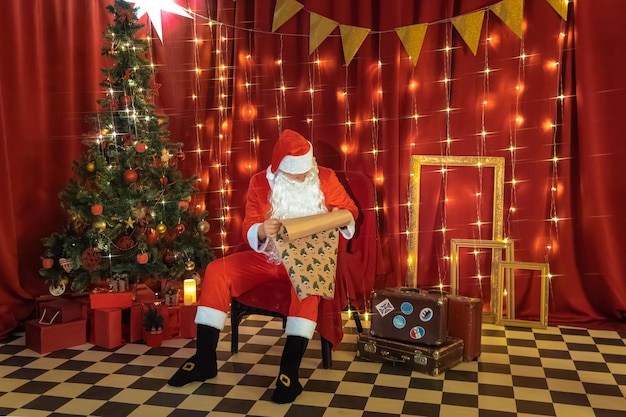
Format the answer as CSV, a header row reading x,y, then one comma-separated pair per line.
x,y
292,186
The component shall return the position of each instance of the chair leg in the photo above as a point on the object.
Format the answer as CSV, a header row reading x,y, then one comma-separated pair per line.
x,y
357,322
235,318
327,354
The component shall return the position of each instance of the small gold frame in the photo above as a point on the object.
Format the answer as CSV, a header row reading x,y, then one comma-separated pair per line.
x,y
510,319
417,161
497,247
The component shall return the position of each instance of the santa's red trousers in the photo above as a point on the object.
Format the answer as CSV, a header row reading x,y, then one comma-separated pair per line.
x,y
238,273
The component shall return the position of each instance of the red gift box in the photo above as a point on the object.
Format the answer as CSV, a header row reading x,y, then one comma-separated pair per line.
x,y
132,323
44,338
111,300
61,310
112,327
107,327
188,327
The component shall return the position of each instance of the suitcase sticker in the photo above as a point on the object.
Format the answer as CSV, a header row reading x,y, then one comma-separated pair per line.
x,y
409,315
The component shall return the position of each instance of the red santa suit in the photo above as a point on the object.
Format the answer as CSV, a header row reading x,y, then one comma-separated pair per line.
x,y
235,274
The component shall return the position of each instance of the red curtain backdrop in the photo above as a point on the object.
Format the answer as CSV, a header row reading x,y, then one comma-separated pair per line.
x,y
229,94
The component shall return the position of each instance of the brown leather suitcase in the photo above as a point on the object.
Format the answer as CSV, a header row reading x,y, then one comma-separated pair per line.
x,y
431,360
465,319
409,315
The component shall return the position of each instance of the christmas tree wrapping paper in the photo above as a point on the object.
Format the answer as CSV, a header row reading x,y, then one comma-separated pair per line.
x,y
308,250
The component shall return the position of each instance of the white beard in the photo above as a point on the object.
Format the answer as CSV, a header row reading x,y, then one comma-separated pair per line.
x,y
290,199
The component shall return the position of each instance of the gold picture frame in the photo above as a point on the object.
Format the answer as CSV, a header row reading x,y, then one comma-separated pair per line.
x,y
417,162
510,319
496,246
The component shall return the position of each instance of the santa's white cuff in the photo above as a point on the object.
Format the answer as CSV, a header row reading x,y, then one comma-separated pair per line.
x,y
211,317
348,230
299,326
253,238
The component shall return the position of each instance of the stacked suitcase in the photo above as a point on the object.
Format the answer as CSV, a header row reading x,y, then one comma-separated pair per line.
x,y
428,332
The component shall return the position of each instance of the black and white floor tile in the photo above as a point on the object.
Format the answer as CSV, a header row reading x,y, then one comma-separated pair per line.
x,y
559,371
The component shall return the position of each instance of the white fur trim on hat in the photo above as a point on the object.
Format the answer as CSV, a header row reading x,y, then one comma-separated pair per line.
x,y
297,164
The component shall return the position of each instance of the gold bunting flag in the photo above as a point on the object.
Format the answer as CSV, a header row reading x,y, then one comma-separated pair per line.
x,y
284,10
560,6
511,12
320,28
412,37
352,37
469,27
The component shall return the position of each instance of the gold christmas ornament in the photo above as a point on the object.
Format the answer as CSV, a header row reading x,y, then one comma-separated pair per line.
x,y
99,225
161,228
190,265
203,227
90,167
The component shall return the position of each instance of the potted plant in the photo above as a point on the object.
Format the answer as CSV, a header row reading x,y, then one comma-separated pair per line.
x,y
152,327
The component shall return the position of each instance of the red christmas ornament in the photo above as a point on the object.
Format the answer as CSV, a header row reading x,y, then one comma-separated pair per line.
x,y
183,205
130,176
91,259
47,263
151,236
142,258
180,228
163,181
126,101
96,209
169,257
140,147
181,156
125,242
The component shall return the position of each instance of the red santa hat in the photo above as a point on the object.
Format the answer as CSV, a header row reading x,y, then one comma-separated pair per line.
x,y
292,154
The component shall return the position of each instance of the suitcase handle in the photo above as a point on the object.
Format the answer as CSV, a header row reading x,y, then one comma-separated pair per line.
x,y
421,291
388,357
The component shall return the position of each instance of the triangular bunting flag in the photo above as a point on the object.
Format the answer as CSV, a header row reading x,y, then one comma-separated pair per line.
x,y
412,37
284,10
352,37
469,27
560,6
320,28
511,12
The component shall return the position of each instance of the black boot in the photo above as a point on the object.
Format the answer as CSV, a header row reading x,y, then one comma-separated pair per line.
x,y
287,385
202,365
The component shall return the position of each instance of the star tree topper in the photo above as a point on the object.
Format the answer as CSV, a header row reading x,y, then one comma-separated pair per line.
x,y
154,8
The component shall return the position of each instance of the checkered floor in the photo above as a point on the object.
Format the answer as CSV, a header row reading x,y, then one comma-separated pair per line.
x,y
554,372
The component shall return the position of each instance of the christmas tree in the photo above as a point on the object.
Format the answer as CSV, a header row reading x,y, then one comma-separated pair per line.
x,y
129,207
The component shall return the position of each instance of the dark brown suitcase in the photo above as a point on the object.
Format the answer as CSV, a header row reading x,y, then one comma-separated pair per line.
x,y
465,320
409,315
431,360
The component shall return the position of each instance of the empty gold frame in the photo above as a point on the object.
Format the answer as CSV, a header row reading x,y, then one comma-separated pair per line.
x,y
510,319
497,246
417,162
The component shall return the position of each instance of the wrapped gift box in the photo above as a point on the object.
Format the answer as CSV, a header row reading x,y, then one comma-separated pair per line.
x,y
44,338
132,323
107,327
112,327
188,327
111,300
60,310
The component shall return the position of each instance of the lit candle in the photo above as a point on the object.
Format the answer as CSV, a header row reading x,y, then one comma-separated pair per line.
x,y
189,291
